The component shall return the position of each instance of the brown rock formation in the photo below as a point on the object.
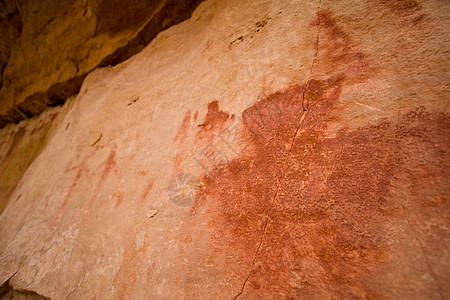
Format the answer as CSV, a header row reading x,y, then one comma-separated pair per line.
x,y
49,47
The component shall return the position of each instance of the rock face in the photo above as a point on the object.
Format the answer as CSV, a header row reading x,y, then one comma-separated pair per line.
x,y
49,47
259,150
20,145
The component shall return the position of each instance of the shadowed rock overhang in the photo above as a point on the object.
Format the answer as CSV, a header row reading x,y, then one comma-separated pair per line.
x,y
47,49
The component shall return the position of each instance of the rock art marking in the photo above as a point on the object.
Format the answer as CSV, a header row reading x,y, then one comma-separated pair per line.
x,y
80,168
305,210
325,203
147,190
214,121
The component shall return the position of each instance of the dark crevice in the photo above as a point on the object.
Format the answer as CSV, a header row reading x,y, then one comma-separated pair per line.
x,y
2,69
171,14
157,23
8,292
14,22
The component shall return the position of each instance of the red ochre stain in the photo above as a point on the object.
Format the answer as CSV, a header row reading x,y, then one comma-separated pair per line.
x,y
326,200
181,137
80,168
195,115
142,172
306,212
184,128
147,190
337,51
207,46
109,164
215,119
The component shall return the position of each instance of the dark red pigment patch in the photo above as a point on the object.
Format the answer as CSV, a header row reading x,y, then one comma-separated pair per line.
x,y
109,164
337,52
313,209
80,168
304,214
214,121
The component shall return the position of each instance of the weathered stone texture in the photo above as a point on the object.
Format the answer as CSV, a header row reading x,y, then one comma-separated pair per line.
x,y
259,150
48,47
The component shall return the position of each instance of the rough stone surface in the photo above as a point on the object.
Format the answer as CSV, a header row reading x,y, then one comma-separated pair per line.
x,y
48,47
6,293
20,145
259,150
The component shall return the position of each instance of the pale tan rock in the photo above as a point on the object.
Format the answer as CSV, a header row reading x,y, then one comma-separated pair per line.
x,y
335,184
20,145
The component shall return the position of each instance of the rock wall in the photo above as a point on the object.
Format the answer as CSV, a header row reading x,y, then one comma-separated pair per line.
x,y
258,150
48,47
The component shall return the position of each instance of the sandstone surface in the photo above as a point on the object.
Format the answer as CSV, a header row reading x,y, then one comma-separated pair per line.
x,y
258,150
48,47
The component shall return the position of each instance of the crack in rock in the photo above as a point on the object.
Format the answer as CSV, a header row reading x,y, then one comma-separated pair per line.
x,y
305,103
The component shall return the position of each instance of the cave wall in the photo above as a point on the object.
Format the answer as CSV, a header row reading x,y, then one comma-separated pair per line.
x,y
257,150
48,47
